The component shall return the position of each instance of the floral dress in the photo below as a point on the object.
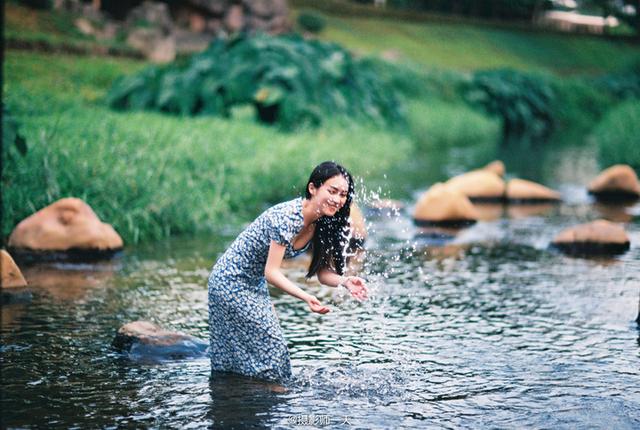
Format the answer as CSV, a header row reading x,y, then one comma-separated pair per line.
x,y
244,332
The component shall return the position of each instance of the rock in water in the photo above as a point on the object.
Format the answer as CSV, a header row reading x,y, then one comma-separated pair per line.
x,y
66,229
479,185
599,237
444,206
11,274
523,191
148,340
615,184
496,167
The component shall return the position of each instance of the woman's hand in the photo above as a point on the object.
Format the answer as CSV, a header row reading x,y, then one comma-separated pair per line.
x,y
357,287
316,306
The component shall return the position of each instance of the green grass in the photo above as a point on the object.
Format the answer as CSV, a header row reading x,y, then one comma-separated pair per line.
x,y
617,136
153,175
466,47
435,125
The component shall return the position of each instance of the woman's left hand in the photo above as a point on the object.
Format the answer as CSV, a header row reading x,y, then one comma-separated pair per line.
x,y
357,287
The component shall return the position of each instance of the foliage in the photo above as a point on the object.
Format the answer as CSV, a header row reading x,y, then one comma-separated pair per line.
x,y
617,135
624,84
579,104
311,21
523,102
153,175
289,80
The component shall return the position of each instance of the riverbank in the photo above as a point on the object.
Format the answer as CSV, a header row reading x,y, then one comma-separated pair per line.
x,y
153,175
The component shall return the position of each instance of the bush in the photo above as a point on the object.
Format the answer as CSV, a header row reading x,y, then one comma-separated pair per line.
x,y
523,102
624,84
312,22
579,104
617,136
289,80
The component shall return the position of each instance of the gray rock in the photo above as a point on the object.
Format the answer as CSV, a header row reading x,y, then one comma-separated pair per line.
x,y
144,339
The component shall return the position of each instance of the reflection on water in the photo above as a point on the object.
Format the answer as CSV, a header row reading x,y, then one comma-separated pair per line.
x,y
484,327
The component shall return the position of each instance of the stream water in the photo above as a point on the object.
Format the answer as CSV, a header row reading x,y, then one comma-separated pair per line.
x,y
489,329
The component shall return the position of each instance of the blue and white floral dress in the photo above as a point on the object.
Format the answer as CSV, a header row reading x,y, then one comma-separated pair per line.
x,y
245,335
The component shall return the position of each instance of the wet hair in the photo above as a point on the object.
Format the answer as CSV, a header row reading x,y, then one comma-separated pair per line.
x,y
331,234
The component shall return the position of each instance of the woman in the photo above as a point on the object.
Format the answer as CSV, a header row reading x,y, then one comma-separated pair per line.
x,y
244,332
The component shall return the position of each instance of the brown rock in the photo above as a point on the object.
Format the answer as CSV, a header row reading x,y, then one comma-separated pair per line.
x,y
444,205
153,44
479,185
66,224
496,167
521,190
616,183
147,338
11,274
234,20
597,237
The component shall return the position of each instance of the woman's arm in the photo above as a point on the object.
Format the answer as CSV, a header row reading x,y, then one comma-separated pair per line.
x,y
356,285
275,277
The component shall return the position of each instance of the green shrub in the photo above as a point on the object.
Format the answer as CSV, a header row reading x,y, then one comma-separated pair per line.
x,y
624,84
290,81
617,135
579,104
312,22
523,102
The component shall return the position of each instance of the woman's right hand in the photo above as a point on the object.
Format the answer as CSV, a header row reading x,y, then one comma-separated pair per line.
x,y
316,306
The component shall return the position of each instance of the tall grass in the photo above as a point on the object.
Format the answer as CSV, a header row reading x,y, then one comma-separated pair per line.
x,y
617,135
436,125
151,175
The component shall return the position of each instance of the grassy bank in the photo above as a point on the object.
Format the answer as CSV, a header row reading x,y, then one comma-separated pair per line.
x,y
470,47
152,175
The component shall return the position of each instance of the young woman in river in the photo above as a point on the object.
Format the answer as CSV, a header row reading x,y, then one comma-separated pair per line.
x,y
244,332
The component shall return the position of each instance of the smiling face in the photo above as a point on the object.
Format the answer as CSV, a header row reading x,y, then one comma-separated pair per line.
x,y
330,196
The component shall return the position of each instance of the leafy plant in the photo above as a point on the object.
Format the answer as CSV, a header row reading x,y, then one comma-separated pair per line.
x,y
289,80
624,84
523,102
312,22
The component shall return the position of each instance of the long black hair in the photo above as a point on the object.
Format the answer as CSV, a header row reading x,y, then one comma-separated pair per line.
x,y
331,234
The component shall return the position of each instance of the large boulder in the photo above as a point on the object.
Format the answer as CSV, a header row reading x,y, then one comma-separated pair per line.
x,y
11,274
523,191
67,227
445,206
153,44
479,185
617,183
148,340
599,237
496,167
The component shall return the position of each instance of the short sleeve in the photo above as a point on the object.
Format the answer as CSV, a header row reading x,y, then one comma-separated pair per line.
x,y
283,229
